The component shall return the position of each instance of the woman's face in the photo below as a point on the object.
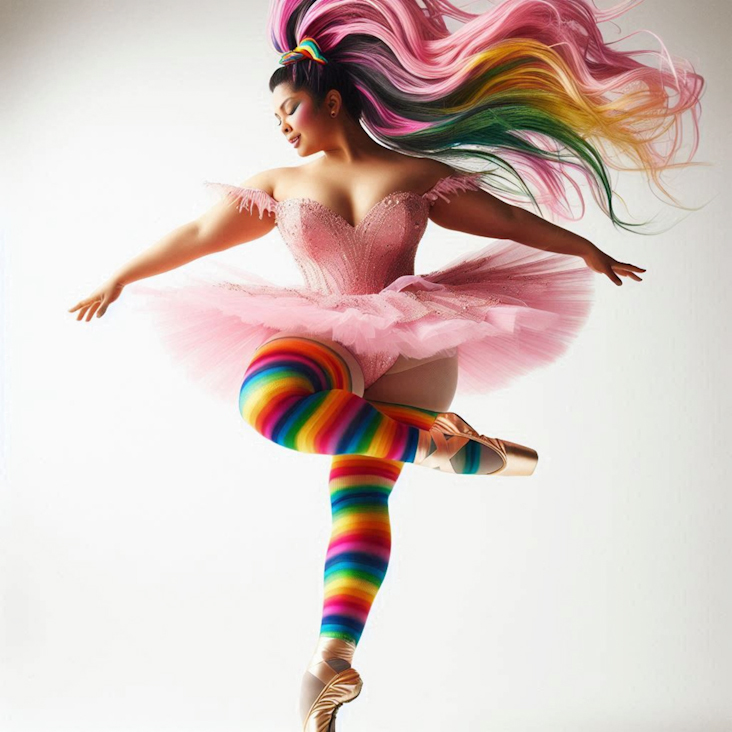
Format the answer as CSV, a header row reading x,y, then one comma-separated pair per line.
x,y
298,117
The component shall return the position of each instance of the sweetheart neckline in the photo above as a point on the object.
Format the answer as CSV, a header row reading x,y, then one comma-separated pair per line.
x,y
354,227
274,203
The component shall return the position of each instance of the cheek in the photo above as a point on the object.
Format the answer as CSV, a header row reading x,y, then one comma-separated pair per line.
x,y
303,117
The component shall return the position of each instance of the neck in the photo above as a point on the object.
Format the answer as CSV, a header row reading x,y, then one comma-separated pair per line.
x,y
351,144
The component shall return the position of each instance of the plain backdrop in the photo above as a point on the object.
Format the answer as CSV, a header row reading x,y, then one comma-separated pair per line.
x,y
161,563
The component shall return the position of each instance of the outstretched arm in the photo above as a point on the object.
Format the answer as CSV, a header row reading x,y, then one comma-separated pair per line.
x,y
482,214
221,227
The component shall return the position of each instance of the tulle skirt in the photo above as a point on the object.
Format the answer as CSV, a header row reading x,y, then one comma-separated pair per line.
x,y
504,309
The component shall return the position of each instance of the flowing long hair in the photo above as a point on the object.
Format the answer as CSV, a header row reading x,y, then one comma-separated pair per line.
x,y
529,87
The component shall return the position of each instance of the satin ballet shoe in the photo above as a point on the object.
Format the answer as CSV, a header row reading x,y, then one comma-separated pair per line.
x,y
451,432
340,687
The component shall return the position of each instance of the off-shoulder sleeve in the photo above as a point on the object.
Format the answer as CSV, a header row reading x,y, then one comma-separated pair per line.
x,y
451,184
246,197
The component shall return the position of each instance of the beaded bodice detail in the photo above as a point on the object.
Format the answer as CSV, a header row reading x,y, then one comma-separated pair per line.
x,y
335,256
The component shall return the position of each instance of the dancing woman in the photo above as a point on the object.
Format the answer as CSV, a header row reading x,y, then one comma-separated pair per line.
x,y
363,360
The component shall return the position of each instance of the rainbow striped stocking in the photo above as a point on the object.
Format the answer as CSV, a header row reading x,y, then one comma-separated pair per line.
x,y
297,393
360,540
359,548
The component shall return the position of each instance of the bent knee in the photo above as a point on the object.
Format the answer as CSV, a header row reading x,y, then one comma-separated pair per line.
x,y
289,367
322,363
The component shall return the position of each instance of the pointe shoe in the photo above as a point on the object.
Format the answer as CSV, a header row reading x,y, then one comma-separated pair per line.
x,y
450,432
340,687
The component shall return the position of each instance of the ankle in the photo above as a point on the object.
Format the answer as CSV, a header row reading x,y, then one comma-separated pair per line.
x,y
334,651
425,446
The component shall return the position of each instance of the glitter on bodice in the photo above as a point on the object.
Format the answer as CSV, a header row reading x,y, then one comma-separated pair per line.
x,y
336,257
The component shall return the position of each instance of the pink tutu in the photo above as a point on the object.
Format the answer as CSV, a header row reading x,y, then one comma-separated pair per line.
x,y
505,309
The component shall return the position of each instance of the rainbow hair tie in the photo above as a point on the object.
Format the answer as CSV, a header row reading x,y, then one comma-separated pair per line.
x,y
307,48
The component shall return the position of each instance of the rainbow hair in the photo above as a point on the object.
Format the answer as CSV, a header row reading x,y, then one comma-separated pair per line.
x,y
529,86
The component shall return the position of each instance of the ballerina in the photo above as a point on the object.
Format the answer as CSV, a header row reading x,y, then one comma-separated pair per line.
x,y
363,360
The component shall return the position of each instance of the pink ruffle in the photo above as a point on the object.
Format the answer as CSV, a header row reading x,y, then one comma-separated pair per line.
x,y
254,197
507,308
457,183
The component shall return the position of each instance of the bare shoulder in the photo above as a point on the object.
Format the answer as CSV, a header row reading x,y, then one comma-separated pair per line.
x,y
279,182
262,180
269,180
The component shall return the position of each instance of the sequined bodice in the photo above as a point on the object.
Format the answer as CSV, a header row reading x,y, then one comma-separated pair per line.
x,y
336,257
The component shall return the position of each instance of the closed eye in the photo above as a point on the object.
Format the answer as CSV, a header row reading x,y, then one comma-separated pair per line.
x,y
279,121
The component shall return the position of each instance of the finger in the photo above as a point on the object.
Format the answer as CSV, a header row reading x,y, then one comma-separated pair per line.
x,y
82,312
632,266
102,306
93,308
621,270
79,304
611,274
627,268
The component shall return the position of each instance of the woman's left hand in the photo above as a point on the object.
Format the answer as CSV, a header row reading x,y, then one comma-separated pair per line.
x,y
603,263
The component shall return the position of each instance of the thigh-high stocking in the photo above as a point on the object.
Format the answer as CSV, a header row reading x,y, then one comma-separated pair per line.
x,y
297,393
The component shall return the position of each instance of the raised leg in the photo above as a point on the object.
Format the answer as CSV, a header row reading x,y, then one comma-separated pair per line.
x,y
298,392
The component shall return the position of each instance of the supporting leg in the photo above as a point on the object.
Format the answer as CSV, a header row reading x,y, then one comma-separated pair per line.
x,y
355,566
358,553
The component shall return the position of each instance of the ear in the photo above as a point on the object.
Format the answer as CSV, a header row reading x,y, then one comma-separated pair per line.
x,y
333,102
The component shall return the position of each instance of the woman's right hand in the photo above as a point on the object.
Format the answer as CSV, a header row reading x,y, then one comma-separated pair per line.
x,y
99,300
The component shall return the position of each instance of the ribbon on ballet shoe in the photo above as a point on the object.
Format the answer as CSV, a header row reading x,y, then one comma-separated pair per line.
x,y
327,650
454,424
446,447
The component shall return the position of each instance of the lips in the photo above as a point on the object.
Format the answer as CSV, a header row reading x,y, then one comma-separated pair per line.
x,y
294,140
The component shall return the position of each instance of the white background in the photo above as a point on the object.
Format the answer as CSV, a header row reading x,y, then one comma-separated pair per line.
x,y
161,563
